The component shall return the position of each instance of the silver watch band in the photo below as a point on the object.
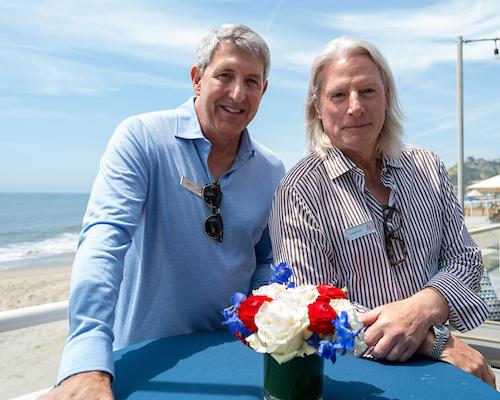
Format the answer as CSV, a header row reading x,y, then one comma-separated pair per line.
x,y
442,334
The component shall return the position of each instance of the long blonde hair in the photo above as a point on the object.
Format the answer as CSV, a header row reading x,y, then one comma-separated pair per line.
x,y
390,139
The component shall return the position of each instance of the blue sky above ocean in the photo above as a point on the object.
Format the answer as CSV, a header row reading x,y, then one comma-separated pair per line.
x,y
71,71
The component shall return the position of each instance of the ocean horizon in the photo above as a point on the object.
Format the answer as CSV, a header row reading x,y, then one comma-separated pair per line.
x,y
37,227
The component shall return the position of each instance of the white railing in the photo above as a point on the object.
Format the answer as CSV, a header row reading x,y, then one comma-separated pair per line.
x,y
30,316
483,229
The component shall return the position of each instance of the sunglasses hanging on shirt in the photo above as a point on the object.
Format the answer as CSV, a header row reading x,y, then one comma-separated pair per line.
x,y
212,196
394,245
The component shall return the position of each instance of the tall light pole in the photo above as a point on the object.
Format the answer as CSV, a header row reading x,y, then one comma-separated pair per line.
x,y
460,110
460,122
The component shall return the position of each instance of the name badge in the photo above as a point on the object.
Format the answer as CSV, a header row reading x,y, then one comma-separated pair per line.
x,y
188,184
360,230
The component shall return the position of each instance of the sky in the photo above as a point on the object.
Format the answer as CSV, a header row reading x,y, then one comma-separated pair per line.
x,y
70,71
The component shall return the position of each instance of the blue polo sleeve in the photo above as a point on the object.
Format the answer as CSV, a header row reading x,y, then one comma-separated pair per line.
x,y
112,215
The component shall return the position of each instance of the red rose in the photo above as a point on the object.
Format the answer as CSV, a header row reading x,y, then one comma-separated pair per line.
x,y
249,308
321,315
329,292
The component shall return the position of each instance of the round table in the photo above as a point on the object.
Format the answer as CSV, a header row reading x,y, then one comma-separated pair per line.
x,y
214,365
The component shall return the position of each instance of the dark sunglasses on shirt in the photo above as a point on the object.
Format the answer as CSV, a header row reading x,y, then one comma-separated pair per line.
x,y
212,196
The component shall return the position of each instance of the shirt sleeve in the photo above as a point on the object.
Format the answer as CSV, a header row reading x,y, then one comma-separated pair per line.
x,y
264,256
297,239
263,250
460,264
114,209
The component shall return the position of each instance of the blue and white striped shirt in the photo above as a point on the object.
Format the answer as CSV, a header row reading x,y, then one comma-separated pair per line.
x,y
323,196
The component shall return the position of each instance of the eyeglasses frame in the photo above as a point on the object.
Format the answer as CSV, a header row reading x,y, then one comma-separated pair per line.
x,y
390,236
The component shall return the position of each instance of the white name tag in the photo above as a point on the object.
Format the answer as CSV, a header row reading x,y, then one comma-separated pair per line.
x,y
191,186
360,230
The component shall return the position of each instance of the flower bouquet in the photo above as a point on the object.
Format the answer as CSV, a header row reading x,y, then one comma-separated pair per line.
x,y
296,328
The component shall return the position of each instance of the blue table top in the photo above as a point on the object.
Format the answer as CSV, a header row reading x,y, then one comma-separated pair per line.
x,y
214,366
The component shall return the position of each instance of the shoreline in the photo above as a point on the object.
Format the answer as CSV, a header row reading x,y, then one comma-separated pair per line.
x,y
58,260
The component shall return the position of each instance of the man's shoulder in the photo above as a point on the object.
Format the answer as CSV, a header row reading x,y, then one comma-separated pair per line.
x,y
154,125
411,153
266,155
150,120
306,171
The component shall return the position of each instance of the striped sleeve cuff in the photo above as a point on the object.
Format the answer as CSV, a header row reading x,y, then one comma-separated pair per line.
x,y
84,354
360,308
466,308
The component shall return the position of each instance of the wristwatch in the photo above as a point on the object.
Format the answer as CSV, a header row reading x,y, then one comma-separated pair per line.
x,y
442,334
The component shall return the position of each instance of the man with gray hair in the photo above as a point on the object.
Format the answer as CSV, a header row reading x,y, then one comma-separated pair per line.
x,y
380,218
177,217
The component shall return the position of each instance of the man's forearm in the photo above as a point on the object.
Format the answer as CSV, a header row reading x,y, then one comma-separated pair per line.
x,y
434,304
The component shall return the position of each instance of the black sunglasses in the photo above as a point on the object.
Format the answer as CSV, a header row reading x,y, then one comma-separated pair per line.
x,y
395,246
212,195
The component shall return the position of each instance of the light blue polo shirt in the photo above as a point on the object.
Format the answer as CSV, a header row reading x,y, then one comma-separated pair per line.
x,y
143,247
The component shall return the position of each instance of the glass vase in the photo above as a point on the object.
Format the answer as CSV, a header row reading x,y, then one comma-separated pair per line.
x,y
301,378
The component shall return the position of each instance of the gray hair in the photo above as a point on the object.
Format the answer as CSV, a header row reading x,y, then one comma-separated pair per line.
x,y
241,35
390,139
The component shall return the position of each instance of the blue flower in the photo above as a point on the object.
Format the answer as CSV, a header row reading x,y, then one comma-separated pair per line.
x,y
230,313
282,274
326,349
344,332
314,340
345,339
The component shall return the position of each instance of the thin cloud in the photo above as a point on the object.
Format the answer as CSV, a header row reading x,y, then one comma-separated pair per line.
x,y
449,122
414,39
129,29
273,14
444,19
49,75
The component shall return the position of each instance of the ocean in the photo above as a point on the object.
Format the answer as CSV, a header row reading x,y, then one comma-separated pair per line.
x,y
35,226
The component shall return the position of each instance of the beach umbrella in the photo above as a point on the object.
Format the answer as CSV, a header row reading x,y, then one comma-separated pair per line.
x,y
490,185
474,193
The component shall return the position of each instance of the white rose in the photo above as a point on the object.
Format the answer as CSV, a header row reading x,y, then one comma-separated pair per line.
x,y
280,331
274,290
300,296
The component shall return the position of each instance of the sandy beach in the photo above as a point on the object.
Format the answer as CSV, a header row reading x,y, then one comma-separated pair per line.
x,y
30,357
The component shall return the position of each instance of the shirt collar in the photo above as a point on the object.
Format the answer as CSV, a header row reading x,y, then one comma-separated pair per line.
x,y
188,127
337,163
391,162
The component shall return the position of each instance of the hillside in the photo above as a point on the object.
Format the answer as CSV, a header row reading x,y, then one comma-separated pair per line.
x,y
476,170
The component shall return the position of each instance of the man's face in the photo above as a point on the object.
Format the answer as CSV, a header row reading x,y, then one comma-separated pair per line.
x,y
352,104
229,92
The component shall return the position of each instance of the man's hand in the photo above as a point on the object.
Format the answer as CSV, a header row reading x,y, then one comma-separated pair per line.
x,y
94,385
396,330
456,352
459,354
